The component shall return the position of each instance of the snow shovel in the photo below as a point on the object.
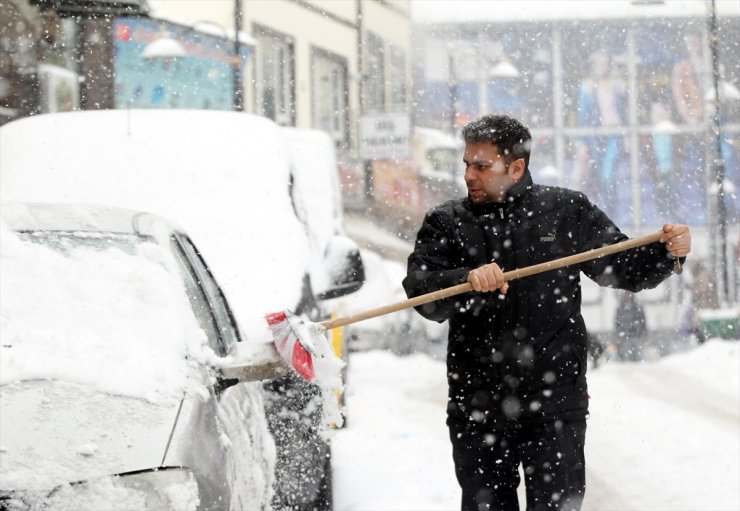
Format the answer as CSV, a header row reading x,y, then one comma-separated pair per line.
x,y
296,339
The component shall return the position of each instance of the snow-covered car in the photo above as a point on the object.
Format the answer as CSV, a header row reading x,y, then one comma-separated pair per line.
x,y
318,202
227,178
125,381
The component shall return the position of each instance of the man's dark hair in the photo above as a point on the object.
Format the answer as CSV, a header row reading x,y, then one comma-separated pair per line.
x,y
510,136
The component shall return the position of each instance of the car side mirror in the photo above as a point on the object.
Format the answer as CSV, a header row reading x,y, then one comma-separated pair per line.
x,y
252,361
346,272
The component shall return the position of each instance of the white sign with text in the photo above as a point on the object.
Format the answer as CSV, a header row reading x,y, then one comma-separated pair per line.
x,y
385,136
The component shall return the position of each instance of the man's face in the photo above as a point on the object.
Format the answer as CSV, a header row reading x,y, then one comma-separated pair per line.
x,y
487,174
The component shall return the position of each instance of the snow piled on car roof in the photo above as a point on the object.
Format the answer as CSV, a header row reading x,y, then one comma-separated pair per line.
x,y
223,176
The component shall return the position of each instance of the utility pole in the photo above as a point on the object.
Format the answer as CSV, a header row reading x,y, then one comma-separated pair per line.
x,y
719,224
236,64
367,164
452,85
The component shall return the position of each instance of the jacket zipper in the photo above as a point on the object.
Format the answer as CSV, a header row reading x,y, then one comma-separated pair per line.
x,y
501,213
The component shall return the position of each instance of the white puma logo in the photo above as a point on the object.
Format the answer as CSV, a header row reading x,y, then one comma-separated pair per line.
x,y
550,236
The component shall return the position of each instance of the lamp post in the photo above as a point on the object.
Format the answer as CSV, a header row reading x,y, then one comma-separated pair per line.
x,y
487,69
452,84
236,60
165,48
719,226
501,69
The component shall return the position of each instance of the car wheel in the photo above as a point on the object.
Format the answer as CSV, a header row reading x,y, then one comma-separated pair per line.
x,y
325,499
294,409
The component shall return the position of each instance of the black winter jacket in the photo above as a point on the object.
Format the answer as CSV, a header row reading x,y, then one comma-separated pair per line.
x,y
521,357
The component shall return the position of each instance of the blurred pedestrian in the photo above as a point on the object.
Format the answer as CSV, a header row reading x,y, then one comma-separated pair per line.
x,y
630,327
703,296
595,348
687,80
516,356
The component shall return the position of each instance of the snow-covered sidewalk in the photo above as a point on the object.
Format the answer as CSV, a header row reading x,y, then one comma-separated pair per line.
x,y
663,435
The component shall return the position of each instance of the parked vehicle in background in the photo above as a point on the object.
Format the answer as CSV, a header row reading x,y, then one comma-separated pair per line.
x,y
126,382
438,157
227,178
317,198
318,202
403,332
439,154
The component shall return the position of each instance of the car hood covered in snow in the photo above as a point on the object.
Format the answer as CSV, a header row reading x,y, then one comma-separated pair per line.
x,y
73,432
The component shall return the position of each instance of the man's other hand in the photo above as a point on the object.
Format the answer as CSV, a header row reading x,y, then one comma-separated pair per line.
x,y
677,239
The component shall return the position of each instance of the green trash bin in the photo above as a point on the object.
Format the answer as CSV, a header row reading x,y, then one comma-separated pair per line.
x,y
722,323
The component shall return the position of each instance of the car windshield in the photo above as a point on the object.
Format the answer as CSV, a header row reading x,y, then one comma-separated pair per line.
x,y
67,242
102,309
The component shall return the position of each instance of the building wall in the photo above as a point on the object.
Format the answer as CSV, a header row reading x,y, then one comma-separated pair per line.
x,y
217,11
328,27
309,29
20,26
390,20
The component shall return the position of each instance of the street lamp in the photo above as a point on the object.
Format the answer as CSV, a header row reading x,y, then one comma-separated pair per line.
x,y
235,60
236,64
163,48
452,84
504,69
718,166
500,68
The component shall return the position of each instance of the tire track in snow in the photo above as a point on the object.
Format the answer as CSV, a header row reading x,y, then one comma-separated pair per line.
x,y
675,388
601,496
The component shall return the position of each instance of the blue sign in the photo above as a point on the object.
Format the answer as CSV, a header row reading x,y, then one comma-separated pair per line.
x,y
203,78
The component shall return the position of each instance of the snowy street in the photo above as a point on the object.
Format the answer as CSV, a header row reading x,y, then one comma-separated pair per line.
x,y
240,240
662,435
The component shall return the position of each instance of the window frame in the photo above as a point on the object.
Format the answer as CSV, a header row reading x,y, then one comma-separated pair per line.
x,y
201,274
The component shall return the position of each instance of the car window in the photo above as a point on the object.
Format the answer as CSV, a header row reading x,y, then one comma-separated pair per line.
x,y
199,301
67,241
226,325
105,310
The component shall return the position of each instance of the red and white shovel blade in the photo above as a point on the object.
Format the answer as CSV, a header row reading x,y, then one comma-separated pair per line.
x,y
299,353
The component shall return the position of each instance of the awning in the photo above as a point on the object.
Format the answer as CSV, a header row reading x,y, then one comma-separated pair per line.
x,y
95,7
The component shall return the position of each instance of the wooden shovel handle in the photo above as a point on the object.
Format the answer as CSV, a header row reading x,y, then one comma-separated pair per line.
x,y
509,275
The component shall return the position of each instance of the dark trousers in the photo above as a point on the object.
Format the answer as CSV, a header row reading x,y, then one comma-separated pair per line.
x,y
487,466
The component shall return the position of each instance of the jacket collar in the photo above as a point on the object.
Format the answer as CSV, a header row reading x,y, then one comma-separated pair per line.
x,y
514,196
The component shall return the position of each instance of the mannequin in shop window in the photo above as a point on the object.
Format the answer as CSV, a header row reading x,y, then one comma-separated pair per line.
x,y
601,102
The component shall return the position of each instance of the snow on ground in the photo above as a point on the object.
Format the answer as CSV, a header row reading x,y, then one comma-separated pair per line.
x,y
663,435
394,453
